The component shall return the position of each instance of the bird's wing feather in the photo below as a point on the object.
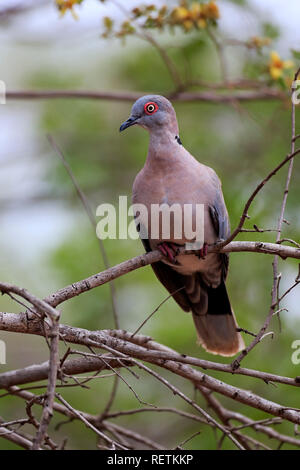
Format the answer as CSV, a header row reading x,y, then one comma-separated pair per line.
x,y
220,220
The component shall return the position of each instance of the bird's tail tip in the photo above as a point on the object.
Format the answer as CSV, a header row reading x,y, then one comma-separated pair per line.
x,y
218,334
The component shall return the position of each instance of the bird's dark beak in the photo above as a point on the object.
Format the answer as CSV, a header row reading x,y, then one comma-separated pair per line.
x,y
130,122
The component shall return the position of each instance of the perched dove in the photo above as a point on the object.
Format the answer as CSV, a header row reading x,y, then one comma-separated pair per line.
x,y
171,175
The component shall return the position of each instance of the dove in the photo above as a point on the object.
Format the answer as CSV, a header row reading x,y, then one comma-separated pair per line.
x,y
171,175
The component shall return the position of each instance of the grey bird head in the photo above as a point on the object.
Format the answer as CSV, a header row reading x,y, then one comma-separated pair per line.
x,y
152,112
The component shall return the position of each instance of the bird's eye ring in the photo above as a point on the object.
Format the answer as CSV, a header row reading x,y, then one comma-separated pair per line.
x,y
150,108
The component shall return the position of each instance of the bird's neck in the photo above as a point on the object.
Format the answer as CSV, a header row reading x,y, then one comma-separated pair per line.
x,y
163,142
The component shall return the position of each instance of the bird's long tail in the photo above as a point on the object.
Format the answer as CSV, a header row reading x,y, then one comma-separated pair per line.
x,y
214,319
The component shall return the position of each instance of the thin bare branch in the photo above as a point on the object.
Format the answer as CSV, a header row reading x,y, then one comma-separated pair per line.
x,y
204,96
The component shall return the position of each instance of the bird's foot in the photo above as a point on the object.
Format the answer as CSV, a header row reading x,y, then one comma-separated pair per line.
x,y
203,251
169,250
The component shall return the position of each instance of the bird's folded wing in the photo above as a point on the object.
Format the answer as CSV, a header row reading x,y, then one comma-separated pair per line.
x,y
172,280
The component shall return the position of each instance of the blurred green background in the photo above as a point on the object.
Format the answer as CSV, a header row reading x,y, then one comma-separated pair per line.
x,y
46,240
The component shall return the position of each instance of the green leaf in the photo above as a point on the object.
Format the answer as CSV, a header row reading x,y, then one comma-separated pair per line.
x,y
282,83
108,23
296,54
239,2
270,31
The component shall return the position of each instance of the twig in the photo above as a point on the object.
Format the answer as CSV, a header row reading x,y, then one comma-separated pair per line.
x,y
49,398
15,437
133,435
154,311
91,216
176,391
220,51
254,194
88,424
276,278
179,446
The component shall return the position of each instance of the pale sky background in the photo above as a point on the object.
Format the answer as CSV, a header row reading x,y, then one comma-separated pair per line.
x,y
41,38
42,24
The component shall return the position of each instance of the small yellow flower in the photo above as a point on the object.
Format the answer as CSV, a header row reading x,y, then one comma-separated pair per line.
x,y
201,23
188,24
137,12
259,42
64,5
211,10
195,11
180,14
277,65
196,15
163,10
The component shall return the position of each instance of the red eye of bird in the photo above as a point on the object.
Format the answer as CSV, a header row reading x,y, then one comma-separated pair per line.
x,y
150,108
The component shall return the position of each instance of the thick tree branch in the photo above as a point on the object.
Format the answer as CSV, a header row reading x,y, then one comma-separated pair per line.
x,y
73,366
15,437
176,364
114,272
14,323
